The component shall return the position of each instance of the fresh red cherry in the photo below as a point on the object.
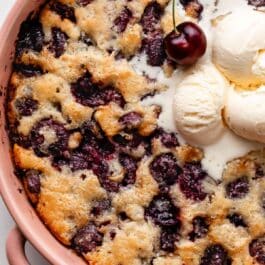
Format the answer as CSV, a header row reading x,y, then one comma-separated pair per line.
x,y
186,44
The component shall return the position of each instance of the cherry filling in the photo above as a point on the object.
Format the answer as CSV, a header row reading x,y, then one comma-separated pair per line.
x,y
190,181
87,239
169,140
18,138
26,106
132,143
28,70
132,140
93,153
130,166
58,147
122,20
95,141
64,11
165,214
153,45
90,150
102,171
237,220
131,120
257,250
79,161
33,181
151,17
89,94
238,189
165,170
58,44
30,37
215,255
168,238
200,228
153,41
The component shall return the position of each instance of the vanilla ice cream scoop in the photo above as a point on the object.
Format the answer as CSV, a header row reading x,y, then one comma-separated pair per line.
x,y
198,104
239,47
245,113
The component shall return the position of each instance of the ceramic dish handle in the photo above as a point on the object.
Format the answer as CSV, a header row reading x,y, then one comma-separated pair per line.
x,y
15,248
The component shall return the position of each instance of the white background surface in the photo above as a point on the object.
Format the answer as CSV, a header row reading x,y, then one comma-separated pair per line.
x,y
6,222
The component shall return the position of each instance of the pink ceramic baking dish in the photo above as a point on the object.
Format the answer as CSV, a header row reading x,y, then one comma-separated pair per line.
x,y
12,192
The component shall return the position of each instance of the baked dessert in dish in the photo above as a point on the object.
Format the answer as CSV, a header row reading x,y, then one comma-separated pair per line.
x,y
135,148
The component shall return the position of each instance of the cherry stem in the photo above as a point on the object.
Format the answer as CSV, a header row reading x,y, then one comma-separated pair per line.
x,y
174,16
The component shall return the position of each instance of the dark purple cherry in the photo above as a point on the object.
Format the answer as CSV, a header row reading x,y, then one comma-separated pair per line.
x,y
200,228
79,161
190,181
26,106
257,250
131,120
87,239
28,70
101,169
215,255
152,44
130,166
31,36
64,11
122,20
33,181
57,148
163,212
165,170
237,220
58,44
128,140
151,16
238,188
154,48
19,138
168,139
93,95
186,44
168,238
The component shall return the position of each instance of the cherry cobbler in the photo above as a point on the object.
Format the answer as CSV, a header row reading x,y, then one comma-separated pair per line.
x,y
104,175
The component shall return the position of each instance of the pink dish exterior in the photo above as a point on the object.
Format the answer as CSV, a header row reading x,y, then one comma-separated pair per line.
x,y
16,201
